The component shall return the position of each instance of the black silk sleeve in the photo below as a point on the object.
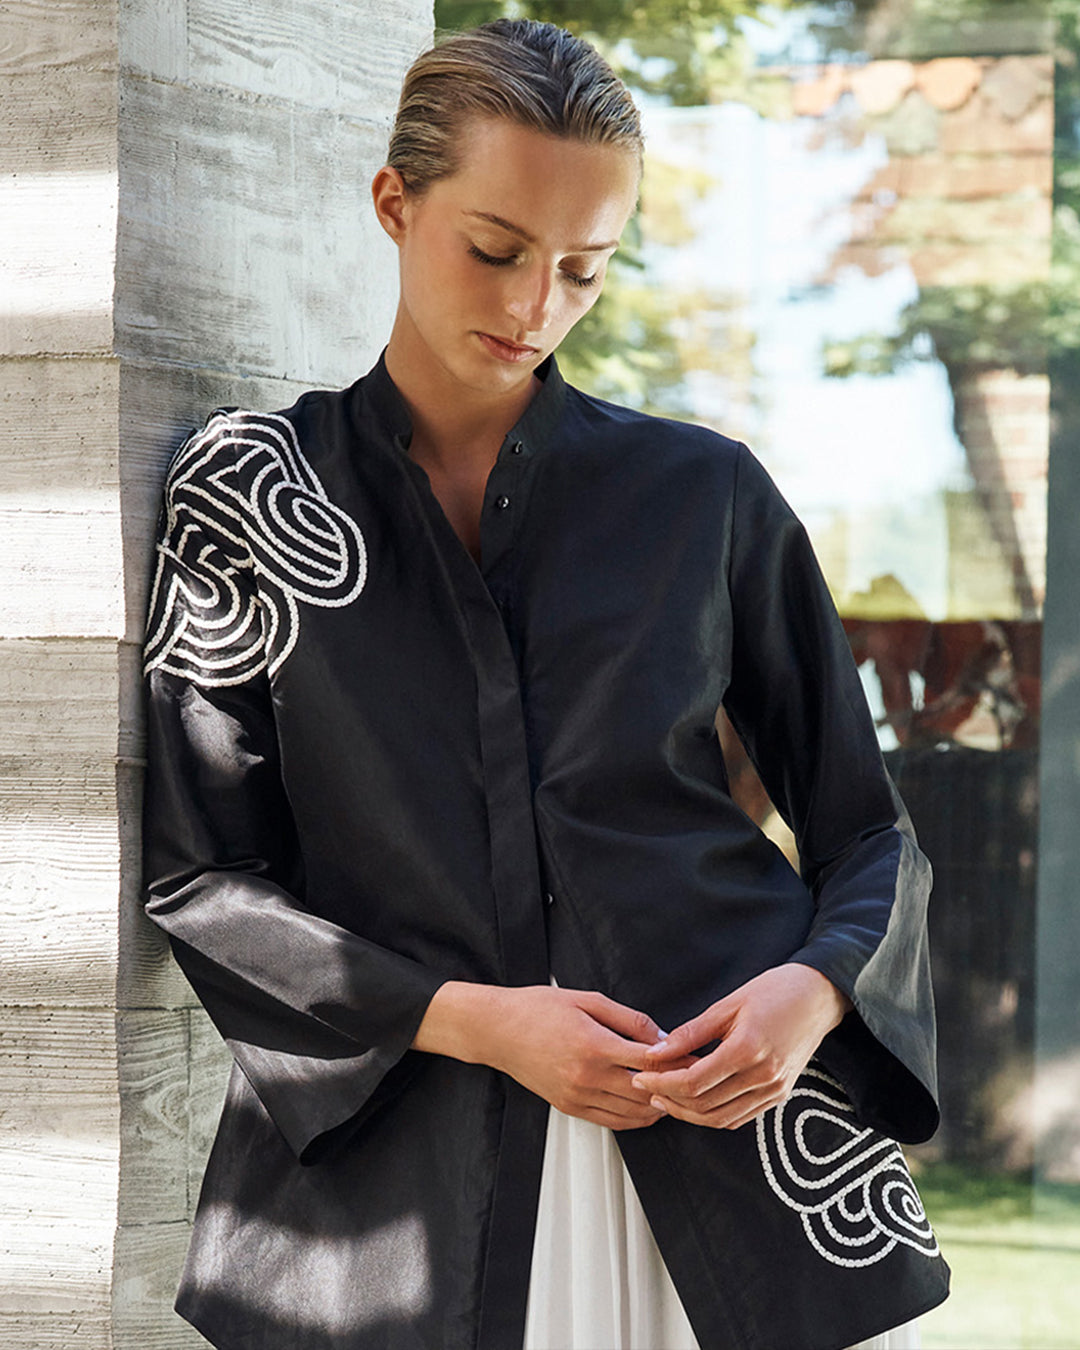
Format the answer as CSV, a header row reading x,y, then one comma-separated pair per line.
x,y
796,700
318,1018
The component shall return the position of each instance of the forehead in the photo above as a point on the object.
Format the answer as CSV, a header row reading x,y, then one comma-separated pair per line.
x,y
548,184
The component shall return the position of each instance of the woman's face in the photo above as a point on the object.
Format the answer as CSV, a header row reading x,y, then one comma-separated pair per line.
x,y
499,261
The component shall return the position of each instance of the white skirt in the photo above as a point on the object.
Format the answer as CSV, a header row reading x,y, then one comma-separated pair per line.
x,y
598,1281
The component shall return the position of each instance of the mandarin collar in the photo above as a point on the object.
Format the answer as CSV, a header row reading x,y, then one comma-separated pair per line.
x,y
533,428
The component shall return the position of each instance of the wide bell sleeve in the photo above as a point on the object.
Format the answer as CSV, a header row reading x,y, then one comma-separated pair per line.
x,y
796,700
318,1018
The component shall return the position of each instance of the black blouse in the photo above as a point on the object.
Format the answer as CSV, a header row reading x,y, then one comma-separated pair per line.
x,y
376,766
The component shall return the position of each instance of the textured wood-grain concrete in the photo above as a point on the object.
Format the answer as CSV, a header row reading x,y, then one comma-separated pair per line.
x,y
59,838
318,53
38,36
200,269
59,1164
58,174
184,224
60,498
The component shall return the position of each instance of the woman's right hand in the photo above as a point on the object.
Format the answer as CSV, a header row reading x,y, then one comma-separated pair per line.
x,y
575,1048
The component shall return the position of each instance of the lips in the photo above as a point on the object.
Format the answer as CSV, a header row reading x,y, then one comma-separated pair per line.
x,y
505,350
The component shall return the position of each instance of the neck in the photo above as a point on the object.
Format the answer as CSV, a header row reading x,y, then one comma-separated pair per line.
x,y
453,425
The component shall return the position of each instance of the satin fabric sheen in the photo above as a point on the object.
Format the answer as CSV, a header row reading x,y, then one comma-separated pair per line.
x,y
598,1281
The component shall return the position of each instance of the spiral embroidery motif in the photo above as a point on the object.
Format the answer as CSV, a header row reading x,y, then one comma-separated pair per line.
x,y
850,1186
234,561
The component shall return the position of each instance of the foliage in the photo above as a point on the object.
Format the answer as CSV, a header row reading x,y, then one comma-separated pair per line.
x,y
970,328
692,52
1014,327
684,52
637,345
1065,269
922,29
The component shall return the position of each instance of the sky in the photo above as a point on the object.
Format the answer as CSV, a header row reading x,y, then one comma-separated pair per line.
x,y
867,455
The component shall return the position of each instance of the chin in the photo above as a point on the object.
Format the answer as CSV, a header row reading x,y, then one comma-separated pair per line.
x,y
487,373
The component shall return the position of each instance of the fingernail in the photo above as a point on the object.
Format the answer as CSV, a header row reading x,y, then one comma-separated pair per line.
x,y
658,1105
636,1081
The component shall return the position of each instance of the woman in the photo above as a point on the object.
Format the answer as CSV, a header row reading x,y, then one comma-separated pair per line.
x,y
439,828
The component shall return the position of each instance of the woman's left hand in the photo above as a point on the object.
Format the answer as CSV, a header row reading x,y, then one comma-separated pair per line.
x,y
768,1029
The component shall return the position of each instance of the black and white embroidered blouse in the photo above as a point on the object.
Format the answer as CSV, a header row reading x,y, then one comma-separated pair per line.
x,y
376,766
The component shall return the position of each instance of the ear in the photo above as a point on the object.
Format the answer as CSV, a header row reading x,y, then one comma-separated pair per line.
x,y
391,202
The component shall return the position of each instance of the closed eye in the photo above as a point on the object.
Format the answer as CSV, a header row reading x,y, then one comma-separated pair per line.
x,y
505,260
491,259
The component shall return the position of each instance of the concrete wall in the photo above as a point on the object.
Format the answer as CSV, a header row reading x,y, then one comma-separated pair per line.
x,y
183,224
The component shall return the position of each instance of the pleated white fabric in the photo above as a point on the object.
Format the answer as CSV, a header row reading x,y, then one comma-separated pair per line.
x,y
598,1281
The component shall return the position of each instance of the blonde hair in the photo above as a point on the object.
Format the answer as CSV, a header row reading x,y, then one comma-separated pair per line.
x,y
531,73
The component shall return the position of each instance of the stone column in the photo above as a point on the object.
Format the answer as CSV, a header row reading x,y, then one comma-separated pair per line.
x,y
184,223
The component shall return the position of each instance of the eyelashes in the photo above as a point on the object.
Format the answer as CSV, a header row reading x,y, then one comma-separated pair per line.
x,y
497,260
491,259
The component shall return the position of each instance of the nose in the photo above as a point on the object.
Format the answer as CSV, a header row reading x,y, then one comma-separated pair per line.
x,y
529,301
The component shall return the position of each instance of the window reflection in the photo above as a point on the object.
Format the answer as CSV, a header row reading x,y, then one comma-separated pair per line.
x,y
859,250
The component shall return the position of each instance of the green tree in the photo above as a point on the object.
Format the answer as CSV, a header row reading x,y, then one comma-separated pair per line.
x,y
685,52
637,345
1005,326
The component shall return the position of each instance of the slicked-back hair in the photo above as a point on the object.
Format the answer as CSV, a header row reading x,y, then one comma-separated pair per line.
x,y
534,74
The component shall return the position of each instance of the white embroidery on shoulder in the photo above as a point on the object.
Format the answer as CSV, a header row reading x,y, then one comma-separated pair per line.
x,y
850,1186
249,532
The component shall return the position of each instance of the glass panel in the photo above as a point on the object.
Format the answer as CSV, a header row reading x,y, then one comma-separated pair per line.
x,y
859,250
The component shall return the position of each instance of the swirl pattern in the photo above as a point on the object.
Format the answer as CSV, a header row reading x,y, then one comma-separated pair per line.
x,y
850,1186
249,532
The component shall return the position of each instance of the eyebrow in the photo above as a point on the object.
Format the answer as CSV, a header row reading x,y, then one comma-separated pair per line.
x,y
524,234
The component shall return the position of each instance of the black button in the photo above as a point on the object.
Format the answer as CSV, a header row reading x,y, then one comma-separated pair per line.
x,y
516,448
549,898
501,503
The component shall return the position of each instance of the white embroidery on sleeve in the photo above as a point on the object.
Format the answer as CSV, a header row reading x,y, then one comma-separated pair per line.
x,y
234,563
850,1186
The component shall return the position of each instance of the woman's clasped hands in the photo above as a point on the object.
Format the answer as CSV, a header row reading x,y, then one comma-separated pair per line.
x,y
767,1030
578,1049
592,1057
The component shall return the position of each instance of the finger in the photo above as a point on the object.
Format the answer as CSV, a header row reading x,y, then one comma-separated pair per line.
x,y
601,1084
614,1108
730,1116
619,1082
741,1053
639,1108
615,1122
701,1076
722,1097
620,1052
710,1025
669,1083
658,1075
682,1082
628,1022
717,1078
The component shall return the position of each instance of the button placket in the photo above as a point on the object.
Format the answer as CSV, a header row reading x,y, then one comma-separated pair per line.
x,y
497,523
